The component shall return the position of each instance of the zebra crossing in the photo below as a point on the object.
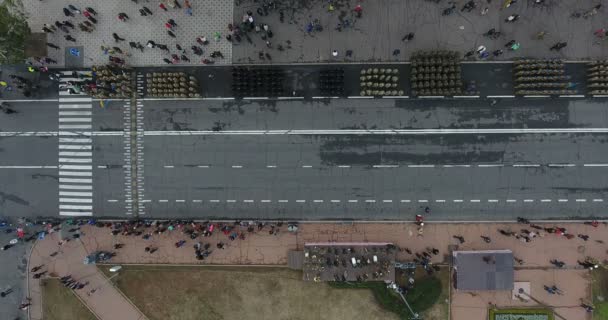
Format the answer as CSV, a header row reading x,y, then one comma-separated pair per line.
x,y
75,148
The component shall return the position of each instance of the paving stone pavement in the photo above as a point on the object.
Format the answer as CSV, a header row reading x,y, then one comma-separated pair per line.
x,y
263,249
209,16
384,22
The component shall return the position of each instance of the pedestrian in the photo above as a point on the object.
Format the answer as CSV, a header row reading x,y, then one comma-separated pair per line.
x,y
116,37
133,45
89,9
459,238
184,58
171,34
123,17
497,53
348,53
176,3
6,292
187,4
140,47
142,12
163,47
52,45
74,9
172,23
584,237
49,60
168,25
486,239
334,53
188,11
147,10
162,6
117,49
358,11
512,18
67,12
69,24
70,38
151,44
92,20
408,37
396,52
46,29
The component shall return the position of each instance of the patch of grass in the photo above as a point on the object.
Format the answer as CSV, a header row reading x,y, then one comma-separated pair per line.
x,y
425,293
600,293
60,303
387,298
441,309
515,311
217,293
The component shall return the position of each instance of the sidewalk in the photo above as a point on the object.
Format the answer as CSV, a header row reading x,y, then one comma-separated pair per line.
x,y
106,302
373,37
261,248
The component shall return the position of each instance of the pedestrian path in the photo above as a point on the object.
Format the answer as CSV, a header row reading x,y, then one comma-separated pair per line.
x,y
105,302
75,149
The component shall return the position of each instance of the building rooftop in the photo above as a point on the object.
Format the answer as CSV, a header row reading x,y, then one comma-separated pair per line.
x,y
484,270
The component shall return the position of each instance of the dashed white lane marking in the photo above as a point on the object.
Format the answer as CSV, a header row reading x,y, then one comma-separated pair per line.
x,y
248,201
214,201
169,167
283,201
545,200
343,166
112,200
595,165
562,200
528,200
405,201
202,166
440,200
504,96
102,167
163,200
335,201
492,200
475,200
526,165
581,200
421,166
598,200
306,166
265,201
353,201
317,201
300,201
458,200
195,201
231,201
490,165
511,200
180,200
385,166
561,165
370,201
423,201
271,166
237,167
387,201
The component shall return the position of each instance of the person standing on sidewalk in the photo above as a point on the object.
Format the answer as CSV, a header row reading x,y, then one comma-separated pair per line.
x,y
162,6
123,17
117,38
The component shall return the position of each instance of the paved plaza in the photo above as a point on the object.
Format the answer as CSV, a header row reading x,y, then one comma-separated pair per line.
x,y
261,248
373,37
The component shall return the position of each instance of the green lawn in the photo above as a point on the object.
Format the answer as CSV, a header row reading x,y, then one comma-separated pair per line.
x,y
600,293
60,303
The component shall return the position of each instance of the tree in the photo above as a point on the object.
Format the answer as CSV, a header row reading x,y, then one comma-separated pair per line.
x,y
13,32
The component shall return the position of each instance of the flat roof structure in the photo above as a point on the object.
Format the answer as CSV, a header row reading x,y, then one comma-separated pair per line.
x,y
483,270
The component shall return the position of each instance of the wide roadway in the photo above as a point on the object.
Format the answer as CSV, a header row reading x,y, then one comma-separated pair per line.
x,y
473,176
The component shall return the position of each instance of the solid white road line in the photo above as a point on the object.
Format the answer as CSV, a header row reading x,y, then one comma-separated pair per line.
x,y
75,160
28,167
75,207
73,180
75,187
75,213
76,173
75,200
75,167
75,147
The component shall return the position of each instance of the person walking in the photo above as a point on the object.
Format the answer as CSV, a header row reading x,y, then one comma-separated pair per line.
x,y
123,17
408,37
89,9
147,10
172,23
117,38
74,9
162,6
47,29
69,38
171,34
52,45
67,12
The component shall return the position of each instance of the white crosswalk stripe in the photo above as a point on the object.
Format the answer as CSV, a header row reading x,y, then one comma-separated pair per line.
x,y
75,147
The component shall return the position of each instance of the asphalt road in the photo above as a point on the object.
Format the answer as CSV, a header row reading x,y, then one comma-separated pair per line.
x,y
242,171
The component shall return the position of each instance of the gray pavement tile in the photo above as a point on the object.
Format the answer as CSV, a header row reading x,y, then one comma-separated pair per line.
x,y
374,36
208,17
